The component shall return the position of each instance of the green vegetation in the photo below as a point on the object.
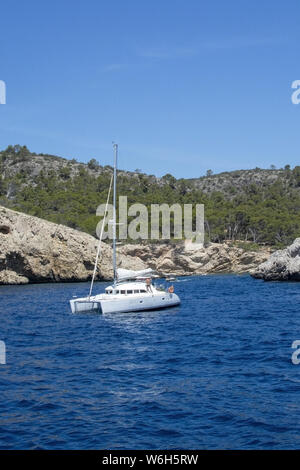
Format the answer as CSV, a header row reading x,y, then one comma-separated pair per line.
x,y
261,209
247,246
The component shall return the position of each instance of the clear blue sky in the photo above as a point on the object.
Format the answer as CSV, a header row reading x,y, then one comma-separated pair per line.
x,y
182,85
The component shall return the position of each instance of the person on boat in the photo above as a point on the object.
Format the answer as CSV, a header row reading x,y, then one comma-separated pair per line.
x,y
148,284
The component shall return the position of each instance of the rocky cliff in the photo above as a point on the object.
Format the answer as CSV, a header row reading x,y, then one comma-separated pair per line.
x,y
35,250
182,260
283,265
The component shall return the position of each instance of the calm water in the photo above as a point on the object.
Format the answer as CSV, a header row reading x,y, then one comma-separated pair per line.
x,y
215,372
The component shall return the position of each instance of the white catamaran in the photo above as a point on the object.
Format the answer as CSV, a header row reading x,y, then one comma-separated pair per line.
x,y
131,291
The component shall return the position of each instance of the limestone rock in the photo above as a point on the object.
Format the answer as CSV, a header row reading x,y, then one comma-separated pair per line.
x,y
35,250
11,277
283,265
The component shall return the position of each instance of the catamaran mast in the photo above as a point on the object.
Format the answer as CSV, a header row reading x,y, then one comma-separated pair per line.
x,y
115,146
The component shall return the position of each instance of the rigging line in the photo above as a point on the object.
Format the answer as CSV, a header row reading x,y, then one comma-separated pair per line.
x,y
100,238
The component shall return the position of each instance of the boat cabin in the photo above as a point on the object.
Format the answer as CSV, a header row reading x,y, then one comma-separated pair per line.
x,y
127,289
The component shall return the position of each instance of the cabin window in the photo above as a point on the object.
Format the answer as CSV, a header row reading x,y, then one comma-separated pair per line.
x,y
117,292
136,291
123,292
142,291
129,292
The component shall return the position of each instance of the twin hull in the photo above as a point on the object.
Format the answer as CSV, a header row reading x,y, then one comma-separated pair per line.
x,y
118,304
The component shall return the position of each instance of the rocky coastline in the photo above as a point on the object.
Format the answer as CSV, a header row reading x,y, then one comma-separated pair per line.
x,y
282,265
33,250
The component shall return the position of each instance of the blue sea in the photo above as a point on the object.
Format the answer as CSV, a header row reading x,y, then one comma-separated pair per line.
x,y
213,373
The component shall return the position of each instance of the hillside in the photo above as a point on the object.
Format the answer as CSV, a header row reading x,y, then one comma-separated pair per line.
x,y
258,206
243,181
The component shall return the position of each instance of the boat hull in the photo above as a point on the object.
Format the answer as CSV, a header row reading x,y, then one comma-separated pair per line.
x,y
105,305
84,305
